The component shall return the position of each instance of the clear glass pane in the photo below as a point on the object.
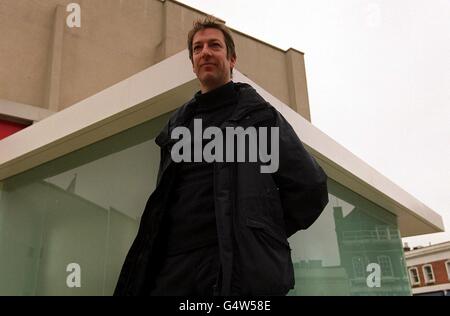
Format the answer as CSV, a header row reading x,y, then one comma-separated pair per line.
x,y
82,208
354,248
85,208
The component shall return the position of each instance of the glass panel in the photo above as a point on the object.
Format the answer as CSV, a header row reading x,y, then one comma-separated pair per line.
x,y
85,208
82,208
354,248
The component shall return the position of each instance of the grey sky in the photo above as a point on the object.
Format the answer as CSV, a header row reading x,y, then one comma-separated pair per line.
x,y
378,79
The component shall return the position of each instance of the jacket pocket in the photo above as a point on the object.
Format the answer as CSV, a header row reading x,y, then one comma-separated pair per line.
x,y
263,258
269,231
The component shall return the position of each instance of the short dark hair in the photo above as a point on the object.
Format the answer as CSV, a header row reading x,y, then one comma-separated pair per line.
x,y
211,22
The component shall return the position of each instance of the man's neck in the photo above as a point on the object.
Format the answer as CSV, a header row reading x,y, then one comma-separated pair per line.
x,y
208,88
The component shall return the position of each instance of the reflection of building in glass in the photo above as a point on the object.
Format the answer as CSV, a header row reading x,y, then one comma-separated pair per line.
x,y
311,278
363,239
364,234
59,227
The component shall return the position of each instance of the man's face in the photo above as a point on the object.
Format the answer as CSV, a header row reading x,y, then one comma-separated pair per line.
x,y
209,59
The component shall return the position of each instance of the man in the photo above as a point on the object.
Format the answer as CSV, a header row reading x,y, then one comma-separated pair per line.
x,y
221,228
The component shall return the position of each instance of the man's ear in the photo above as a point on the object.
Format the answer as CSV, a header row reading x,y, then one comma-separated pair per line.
x,y
233,60
193,69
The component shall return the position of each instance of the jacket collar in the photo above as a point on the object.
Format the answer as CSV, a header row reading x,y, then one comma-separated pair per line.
x,y
248,101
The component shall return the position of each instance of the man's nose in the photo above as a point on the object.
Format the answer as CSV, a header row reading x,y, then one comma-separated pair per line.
x,y
206,51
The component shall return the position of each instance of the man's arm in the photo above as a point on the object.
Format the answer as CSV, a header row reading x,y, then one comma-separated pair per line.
x,y
301,181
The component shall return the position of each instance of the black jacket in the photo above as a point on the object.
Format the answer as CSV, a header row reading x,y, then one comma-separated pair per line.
x,y
255,212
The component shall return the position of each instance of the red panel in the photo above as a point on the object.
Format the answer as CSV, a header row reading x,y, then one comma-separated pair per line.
x,y
8,128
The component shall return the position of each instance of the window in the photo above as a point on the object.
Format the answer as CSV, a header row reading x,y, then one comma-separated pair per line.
x,y
447,266
358,267
428,273
382,232
385,265
414,276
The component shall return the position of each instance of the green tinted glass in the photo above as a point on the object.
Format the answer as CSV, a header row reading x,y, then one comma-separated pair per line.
x,y
66,226
77,214
354,248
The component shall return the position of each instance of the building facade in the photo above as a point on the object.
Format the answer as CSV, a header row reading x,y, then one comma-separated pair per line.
x,y
73,185
429,269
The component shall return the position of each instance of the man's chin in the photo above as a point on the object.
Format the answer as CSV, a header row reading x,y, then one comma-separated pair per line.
x,y
208,78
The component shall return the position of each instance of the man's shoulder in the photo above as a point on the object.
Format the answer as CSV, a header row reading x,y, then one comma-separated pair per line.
x,y
248,93
181,112
177,118
251,101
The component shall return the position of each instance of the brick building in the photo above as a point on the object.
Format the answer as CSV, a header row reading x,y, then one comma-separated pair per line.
x,y
429,269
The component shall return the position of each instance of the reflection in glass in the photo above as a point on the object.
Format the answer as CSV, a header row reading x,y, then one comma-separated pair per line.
x,y
334,255
85,208
82,208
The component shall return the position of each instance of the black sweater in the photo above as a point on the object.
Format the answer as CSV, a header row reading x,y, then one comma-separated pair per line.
x,y
189,220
